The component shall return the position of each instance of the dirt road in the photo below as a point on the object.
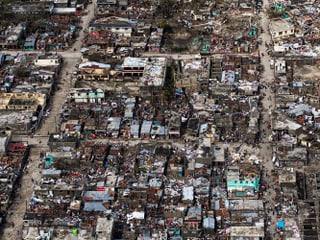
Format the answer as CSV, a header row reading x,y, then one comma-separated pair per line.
x,y
71,58
267,79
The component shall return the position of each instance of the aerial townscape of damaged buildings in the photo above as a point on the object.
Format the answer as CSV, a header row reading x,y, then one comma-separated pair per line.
x,y
159,133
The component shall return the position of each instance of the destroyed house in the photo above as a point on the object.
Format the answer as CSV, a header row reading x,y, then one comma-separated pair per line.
x,y
154,72
86,95
22,112
45,60
121,28
288,179
135,129
94,71
228,77
105,7
33,8
97,200
280,29
244,183
20,122
155,191
63,140
71,126
293,158
53,196
218,89
30,43
176,166
246,212
44,75
216,68
204,152
248,88
12,164
219,156
114,158
58,185
192,222
155,40
22,101
113,128
174,126
138,196
5,138
246,232
193,126
280,123
253,132
158,131
11,35
100,38
202,191
105,228
145,131
133,67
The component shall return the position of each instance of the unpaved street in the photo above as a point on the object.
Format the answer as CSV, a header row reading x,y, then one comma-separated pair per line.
x,y
267,79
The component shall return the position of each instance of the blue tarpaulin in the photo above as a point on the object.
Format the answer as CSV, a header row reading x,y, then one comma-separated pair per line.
x,y
49,160
281,224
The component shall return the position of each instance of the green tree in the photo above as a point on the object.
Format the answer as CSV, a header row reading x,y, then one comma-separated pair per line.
x,y
166,8
21,72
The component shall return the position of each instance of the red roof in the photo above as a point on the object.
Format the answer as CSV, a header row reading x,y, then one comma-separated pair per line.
x,y
16,146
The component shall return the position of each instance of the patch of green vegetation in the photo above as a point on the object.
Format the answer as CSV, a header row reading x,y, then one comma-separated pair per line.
x,y
5,2
179,49
22,72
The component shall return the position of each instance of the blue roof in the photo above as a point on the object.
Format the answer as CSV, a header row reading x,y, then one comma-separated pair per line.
x,y
281,224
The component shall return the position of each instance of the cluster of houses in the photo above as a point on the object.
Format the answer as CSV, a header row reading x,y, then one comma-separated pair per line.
x,y
154,160
103,169
295,30
41,26
150,190
129,27
296,134
27,83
